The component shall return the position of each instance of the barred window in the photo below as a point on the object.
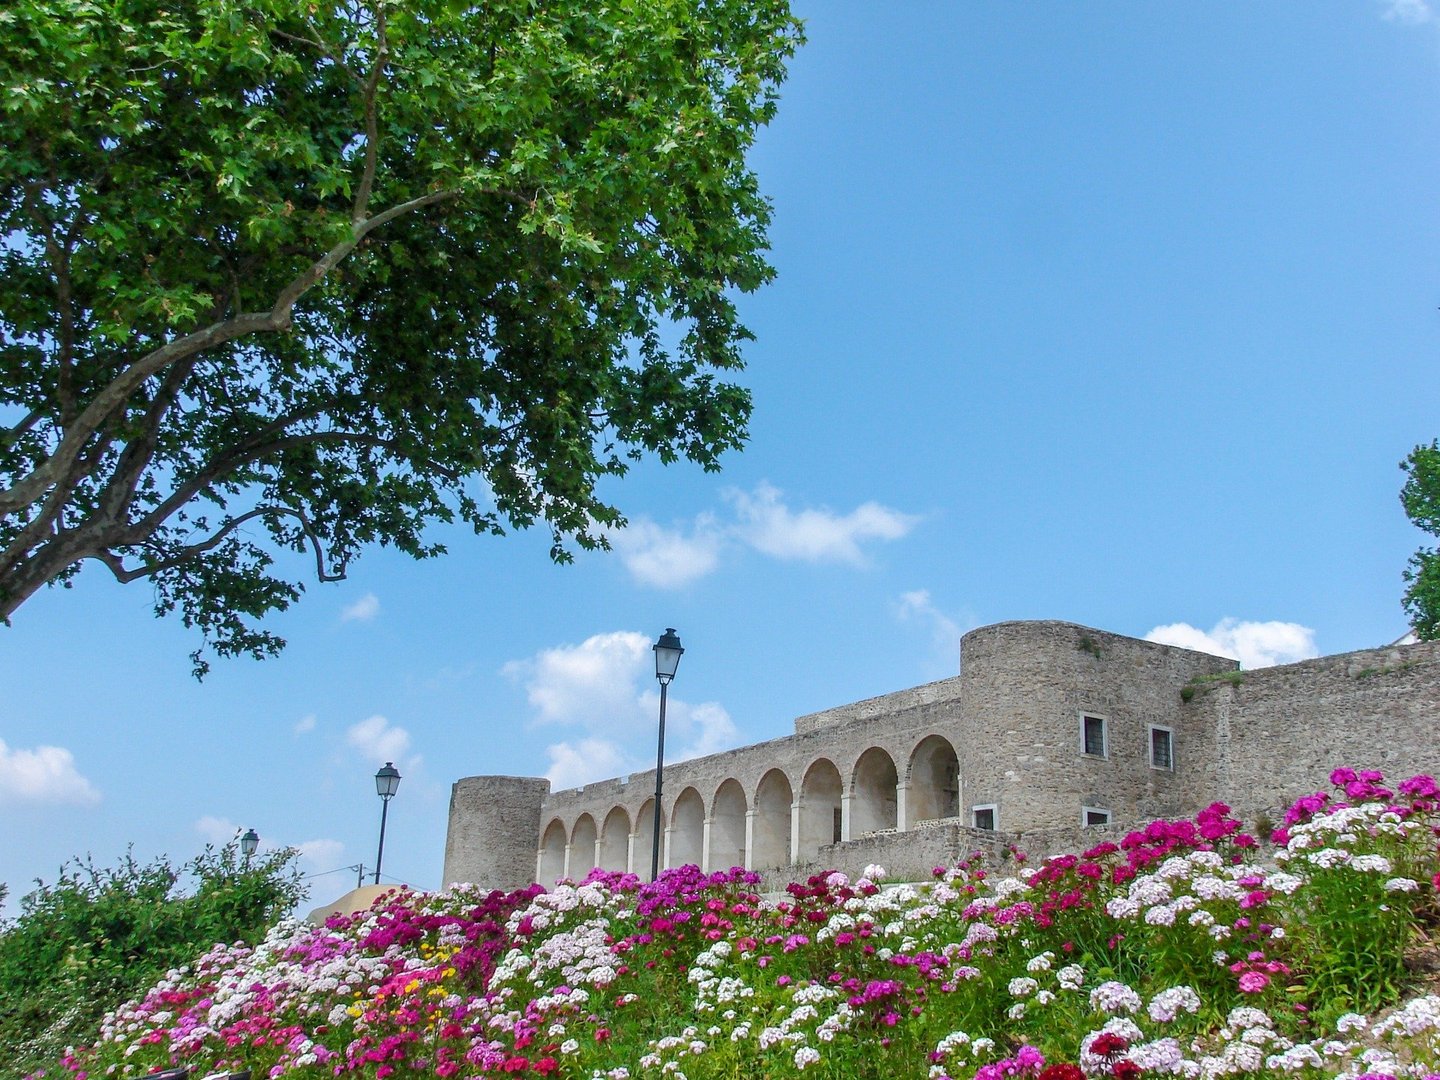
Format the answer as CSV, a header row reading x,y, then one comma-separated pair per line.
x,y
1162,748
1092,735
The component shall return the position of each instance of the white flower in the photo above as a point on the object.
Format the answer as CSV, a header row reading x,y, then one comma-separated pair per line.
x,y
1114,997
1022,987
806,1055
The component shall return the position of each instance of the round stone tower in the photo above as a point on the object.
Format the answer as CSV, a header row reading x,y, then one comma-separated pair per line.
x,y
494,830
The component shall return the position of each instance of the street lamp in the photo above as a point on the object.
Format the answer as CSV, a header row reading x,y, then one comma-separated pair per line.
x,y
667,659
248,843
387,782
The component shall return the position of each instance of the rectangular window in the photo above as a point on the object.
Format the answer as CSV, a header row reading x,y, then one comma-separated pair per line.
x,y
1162,748
984,817
1092,735
1095,816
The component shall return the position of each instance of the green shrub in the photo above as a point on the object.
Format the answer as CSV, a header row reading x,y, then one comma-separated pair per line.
x,y
98,936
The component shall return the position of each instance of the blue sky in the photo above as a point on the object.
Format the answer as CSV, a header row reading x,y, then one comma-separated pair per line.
x,y
1119,313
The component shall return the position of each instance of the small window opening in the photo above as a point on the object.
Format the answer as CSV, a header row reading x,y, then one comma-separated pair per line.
x,y
1162,748
1094,735
984,817
1095,816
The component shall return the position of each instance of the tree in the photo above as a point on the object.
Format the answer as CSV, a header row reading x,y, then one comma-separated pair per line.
x,y
1421,498
98,936
313,275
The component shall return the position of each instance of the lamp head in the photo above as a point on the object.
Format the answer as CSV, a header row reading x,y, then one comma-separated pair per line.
x,y
667,656
387,780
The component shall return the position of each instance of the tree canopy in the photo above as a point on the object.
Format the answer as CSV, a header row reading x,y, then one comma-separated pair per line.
x,y
312,275
1421,498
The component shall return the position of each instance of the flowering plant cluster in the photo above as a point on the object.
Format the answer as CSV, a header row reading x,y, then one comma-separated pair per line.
x,y
1189,949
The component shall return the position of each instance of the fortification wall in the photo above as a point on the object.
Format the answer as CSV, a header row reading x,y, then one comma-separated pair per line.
x,y
1266,736
1027,687
903,780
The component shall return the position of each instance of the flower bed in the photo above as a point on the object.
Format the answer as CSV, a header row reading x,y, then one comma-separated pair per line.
x,y
1188,949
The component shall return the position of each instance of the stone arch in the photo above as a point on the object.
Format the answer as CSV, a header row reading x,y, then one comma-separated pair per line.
x,y
614,849
687,829
727,826
773,799
645,838
873,785
819,808
582,847
552,853
934,776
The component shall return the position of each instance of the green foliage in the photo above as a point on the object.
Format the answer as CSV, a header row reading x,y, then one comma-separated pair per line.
x,y
97,936
1206,683
310,276
1421,498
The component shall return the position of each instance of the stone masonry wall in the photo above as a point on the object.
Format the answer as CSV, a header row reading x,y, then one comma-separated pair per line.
x,y
864,783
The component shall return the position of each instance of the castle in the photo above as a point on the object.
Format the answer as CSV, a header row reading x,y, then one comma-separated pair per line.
x,y
1051,734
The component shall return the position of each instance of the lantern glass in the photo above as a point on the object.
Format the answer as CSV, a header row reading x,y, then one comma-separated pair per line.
x,y
667,655
249,842
387,780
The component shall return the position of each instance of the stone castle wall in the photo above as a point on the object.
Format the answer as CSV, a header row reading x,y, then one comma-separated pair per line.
x,y
904,780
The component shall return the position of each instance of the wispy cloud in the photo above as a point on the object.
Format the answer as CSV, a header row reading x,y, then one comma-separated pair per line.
x,y
305,724
316,856
1254,644
761,520
379,740
917,607
1408,12
669,558
769,525
574,764
604,688
363,610
44,775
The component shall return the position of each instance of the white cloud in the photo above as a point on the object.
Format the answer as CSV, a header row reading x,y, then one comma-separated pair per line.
x,y
1254,644
575,764
1409,12
216,830
305,724
362,610
605,688
697,730
379,740
322,855
767,524
916,606
674,556
668,558
46,774
593,683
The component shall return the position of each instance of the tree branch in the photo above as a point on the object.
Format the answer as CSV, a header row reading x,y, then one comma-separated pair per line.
x,y
57,466
125,574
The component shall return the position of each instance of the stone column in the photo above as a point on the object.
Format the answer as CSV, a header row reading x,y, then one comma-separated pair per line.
x,y
567,859
630,853
750,839
665,847
705,844
902,806
795,808
845,800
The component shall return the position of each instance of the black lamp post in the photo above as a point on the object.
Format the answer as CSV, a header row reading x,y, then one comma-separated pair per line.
x,y
667,659
387,782
248,843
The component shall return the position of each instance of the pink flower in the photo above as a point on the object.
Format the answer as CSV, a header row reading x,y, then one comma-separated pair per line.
x,y
1252,982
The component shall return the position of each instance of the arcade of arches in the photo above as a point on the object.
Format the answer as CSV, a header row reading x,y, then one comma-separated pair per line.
x,y
782,821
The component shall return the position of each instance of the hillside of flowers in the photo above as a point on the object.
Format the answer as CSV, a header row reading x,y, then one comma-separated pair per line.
x,y
1188,949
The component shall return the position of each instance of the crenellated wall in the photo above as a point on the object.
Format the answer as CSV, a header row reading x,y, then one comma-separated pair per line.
x,y
905,779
